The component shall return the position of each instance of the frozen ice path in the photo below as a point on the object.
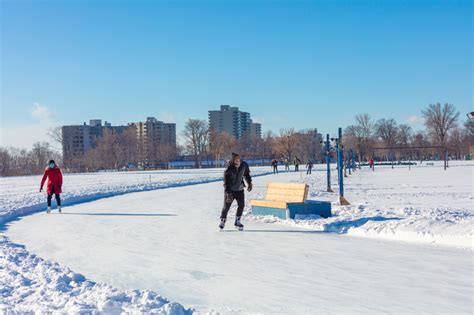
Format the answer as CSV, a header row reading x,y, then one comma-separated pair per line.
x,y
168,241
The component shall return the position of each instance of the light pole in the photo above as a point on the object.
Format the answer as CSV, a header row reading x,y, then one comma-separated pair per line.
x,y
327,145
340,165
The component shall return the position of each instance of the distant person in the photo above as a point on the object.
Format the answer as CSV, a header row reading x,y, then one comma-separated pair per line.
x,y
275,166
309,167
297,163
234,185
371,163
55,183
287,165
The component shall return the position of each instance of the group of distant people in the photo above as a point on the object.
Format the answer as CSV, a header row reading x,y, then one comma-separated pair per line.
x,y
296,163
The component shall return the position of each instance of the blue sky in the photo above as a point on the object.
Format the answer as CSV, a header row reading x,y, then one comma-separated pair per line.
x,y
299,64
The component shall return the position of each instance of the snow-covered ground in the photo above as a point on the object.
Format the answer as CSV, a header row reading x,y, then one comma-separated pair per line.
x,y
29,284
167,241
422,204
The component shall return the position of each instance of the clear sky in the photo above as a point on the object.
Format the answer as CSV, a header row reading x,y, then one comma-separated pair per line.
x,y
302,64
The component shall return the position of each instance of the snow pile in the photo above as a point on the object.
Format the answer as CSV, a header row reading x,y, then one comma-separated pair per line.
x,y
31,284
20,196
424,204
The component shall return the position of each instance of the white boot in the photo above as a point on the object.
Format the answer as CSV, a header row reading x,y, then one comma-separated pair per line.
x,y
59,209
48,210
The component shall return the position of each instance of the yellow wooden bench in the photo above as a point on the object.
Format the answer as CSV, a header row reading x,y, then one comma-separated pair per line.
x,y
285,200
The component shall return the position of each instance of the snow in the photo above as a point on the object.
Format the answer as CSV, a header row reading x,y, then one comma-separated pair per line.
x,y
31,284
167,241
422,204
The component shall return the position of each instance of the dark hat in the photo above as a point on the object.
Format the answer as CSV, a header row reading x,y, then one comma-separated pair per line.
x,y
51,161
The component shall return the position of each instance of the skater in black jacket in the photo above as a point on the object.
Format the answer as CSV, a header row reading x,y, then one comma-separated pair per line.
x,y
275,166
234,188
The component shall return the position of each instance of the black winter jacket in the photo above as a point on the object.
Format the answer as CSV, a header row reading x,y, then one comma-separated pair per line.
x,y
234,178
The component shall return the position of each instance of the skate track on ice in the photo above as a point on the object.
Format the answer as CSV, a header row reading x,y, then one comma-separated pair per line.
x,y
168,241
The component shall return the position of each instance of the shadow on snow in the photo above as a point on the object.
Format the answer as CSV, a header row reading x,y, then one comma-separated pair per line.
x,y
342,227
122,214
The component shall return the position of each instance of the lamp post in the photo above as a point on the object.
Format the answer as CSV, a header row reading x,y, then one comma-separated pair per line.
x,y
340,165
327,145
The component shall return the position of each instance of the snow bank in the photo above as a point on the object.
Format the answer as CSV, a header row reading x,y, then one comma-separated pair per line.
x,y
31,284
423,204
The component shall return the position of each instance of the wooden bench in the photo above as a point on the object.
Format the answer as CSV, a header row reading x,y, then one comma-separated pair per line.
x,y
285,200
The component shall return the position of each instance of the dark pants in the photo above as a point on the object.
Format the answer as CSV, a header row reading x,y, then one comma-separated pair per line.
x,y
308,171
235,195
50,196
275,169
296,168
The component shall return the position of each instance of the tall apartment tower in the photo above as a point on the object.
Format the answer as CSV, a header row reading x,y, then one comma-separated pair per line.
x,y
230,120
153,135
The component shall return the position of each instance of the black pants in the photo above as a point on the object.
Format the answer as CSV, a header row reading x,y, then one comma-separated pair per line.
x,y
50,196
308,171
275,169
296,168
237,195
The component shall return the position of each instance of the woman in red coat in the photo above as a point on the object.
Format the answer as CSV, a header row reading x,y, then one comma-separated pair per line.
x,y
55,182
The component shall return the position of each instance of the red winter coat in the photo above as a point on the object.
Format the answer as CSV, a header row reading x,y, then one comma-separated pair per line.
x,y
55,180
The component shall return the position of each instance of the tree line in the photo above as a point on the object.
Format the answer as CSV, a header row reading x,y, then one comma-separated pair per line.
x,y
20,162
443,131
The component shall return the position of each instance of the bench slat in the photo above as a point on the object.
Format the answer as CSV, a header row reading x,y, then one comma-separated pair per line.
x,y
269,203
286,185
285,198
290,192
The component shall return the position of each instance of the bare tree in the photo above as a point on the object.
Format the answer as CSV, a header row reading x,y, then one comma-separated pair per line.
x,y
420,139
128,142
456,142
264,147
166,152
196,137
309,145
404,135
40,154
362,134
439,120
5,162
387,131
114,150
220,144
56,135
286,143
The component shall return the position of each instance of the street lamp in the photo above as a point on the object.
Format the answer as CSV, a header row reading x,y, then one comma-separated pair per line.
x,y
328,149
